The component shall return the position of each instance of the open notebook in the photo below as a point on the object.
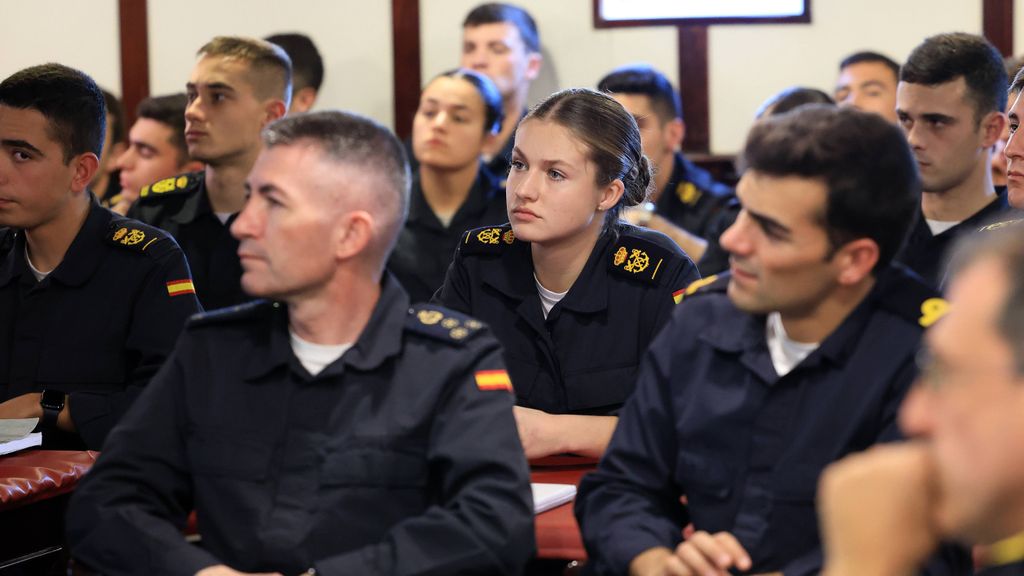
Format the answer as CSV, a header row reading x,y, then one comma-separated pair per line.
x,y
16,434
548,496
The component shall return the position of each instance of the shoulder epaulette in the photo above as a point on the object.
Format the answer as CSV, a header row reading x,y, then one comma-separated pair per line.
x,y
181,184
487,240
1004,224
716,283
232,313
441,323
638,258
135,235
908,297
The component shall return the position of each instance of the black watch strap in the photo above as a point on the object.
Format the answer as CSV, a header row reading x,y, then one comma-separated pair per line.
x,y
52,402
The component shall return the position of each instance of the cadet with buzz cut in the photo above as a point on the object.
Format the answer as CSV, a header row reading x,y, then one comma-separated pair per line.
x,y
91,303
238,86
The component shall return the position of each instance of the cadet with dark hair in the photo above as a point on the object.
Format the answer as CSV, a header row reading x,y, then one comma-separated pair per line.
x,y
686,202
790,99
91,303
573,293
867,81
950,102
331,428
460,112
238,86
307,69
501,40
798,356
156,149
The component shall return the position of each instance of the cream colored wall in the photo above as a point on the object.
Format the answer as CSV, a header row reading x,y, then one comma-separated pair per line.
x,y
750,63
747,63
43,31
354,38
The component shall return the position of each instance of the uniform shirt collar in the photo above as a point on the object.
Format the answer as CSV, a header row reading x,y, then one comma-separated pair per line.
x,y
481,193
380,339
745,333
80,261
589,293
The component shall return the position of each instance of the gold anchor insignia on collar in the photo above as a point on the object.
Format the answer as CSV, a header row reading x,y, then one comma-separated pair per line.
x,y
489,235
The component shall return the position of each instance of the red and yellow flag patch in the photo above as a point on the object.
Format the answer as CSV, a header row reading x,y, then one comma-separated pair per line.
x,y
677,296
179,287
493,380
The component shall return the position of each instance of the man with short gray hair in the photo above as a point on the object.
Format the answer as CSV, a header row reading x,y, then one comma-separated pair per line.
x,y
330,428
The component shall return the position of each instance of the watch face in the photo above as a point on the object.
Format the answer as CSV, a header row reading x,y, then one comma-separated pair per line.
x,y
53,399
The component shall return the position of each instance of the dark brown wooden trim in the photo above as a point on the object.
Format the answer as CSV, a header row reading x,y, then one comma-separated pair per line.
x,y
600,22
405,30
694,88
997,24
134,56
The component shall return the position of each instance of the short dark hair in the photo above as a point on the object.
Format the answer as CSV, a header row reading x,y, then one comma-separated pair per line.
x,y
498,12
271,67
70,101
864,162
945,57
170,111
869,56
116,113
307,64
792,98
611,136
352,139
494,108
645,80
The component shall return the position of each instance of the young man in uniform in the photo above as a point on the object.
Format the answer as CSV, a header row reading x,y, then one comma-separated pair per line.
x,y
687,204
950,103
156,148
332,428
238,86
763,376
91,303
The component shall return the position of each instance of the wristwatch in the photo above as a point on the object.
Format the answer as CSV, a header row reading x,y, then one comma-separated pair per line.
x,y
52,402
645,213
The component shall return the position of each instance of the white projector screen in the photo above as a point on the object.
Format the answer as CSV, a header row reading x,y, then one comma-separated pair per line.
x,y
610,13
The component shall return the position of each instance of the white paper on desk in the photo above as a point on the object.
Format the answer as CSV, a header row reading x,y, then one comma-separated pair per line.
x,y
16,434
548,496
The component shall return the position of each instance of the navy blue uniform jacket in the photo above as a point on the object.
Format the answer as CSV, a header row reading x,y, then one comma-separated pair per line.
x,y
397,458
712,420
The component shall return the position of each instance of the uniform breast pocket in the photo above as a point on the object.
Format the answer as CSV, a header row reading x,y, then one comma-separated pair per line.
x,y
375,466
704,477
219,456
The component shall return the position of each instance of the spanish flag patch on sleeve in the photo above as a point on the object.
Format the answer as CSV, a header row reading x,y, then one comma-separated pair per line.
x,y
677,296
179,287
493,380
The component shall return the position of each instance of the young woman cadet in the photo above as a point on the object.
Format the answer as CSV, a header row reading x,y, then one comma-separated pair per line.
x,y
574,294
460,112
